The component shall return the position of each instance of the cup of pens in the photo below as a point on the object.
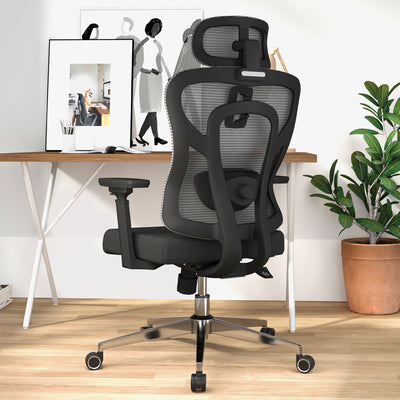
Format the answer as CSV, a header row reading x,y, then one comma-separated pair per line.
x,y
68,136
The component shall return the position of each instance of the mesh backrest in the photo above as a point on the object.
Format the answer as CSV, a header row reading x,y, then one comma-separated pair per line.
x,y
241,148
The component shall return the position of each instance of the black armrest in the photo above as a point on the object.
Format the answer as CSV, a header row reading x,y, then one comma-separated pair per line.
x,y
280,179
124,183
122,188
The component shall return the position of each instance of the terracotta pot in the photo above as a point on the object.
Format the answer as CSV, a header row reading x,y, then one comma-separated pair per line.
x,y
372,275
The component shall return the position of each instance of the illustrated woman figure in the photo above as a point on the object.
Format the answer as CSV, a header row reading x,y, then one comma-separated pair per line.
x,y
126,33
150,85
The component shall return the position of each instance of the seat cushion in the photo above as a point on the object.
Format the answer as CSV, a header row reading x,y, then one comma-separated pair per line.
x,y
160,245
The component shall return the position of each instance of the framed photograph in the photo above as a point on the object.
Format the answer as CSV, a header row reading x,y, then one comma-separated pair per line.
x,y
159,39
81,76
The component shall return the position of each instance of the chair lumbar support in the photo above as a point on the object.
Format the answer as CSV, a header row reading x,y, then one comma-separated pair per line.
x,y
202,323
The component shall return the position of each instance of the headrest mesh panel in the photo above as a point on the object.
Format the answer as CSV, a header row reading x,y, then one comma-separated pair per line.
x,y
218,40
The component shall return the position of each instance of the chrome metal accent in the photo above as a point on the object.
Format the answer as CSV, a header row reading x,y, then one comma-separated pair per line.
x,y
222,328
202,299
231,327
245,321
182,327
202,286
163,320
202,305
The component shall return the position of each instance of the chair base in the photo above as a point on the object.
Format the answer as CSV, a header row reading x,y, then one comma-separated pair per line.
x,y
202,324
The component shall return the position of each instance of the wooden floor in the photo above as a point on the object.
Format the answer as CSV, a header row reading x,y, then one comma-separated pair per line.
x,y
357,356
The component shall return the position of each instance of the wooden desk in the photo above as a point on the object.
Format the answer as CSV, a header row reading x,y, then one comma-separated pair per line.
x,y
290,157
43,228
104,113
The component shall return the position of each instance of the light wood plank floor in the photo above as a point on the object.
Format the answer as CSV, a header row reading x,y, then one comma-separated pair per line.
x,y
357,356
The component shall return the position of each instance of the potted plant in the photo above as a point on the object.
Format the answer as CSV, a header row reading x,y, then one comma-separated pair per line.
x,y
371,265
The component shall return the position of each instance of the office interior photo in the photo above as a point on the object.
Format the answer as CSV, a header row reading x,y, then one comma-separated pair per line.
x,y
200,199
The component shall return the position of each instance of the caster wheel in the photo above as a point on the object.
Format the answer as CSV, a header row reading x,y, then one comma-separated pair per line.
x,y
94,360
304,364
198,382
268,331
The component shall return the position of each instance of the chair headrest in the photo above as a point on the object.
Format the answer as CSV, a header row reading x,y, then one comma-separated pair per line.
x,y
232,41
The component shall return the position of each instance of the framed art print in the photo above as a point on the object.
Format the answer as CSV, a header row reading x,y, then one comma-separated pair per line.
x,y
159,37
90,88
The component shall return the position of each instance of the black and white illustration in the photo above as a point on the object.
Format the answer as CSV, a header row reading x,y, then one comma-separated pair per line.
x,y
159,41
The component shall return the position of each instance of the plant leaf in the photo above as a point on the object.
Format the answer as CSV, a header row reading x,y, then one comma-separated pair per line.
x,y
351,209
344,201
394,193
359,168
339,191
382,95
393,230
321,196
395,220
394,87
371,224
362,131
374,121
390,138
392,152
365,161
332,171
396,108
392,168
369,109
334,208
387,106
373,143
349,178
385,213
369,98
371,87
321,183
345,220
359,192
393,117
387,183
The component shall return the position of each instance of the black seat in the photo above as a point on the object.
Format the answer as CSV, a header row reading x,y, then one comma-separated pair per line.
x,y
231,123
161,246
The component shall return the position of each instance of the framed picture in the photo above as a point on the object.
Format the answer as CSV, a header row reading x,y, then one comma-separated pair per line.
x,y
81,76
157,50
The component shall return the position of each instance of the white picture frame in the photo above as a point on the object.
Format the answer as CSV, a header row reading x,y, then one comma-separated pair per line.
x,y
120,23
81,67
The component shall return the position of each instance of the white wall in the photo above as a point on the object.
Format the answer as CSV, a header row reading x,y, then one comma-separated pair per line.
x,y
333,47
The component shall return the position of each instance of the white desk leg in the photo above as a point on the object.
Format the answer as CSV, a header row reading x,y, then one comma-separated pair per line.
x,y
290,296
45,217
41,246
74,198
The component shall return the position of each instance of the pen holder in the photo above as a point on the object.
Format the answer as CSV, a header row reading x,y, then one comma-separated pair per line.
x,y
68,140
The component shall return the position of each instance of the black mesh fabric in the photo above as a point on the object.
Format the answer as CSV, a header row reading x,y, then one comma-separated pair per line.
x,y
218,40
243,148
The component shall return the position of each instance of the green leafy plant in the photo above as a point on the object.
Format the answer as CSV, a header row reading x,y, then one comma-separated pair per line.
x,y
374,170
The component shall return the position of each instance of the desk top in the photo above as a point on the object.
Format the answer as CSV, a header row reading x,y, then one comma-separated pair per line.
x,y
290,157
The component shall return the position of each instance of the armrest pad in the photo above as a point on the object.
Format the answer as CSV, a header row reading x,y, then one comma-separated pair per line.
x,y
124,183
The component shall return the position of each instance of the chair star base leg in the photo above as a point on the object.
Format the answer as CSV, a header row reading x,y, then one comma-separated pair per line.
x,y
202,324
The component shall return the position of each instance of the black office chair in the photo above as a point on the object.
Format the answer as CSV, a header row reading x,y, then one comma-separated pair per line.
x,y
219,205
86,118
